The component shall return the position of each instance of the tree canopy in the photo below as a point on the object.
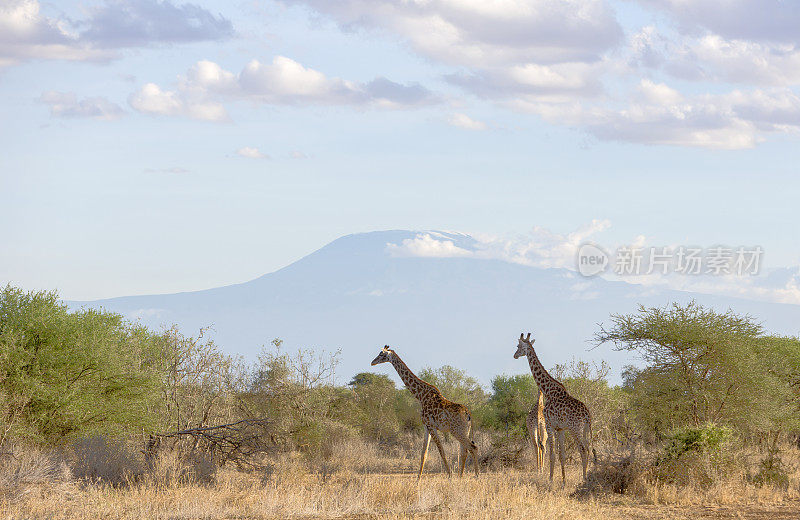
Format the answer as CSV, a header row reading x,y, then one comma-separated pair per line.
x,y
66,373
704,366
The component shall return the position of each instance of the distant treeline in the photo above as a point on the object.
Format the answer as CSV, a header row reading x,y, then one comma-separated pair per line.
x,y
66,375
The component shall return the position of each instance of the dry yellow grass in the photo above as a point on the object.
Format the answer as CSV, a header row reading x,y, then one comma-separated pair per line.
x,y
293,493
347,485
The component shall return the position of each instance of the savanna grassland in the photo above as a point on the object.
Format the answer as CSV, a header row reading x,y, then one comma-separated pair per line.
x,y
292,488
103,418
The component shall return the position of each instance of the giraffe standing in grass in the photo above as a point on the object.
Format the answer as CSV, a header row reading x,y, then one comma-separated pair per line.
x,y
561,411
437,414
538,430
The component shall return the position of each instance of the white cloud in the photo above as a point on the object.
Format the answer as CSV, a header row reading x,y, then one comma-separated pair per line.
x,y
713,58
138,23
297,154
26,33
659,93
561,80
67,105
287,82
540,248
658,114
283,82
567,62
251,153
742,61
480,33
466,122
150,99
755,20
543,248
425,245
508,47
776,110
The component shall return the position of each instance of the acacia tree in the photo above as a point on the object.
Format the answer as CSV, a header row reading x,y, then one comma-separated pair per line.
x,y
296,393
376,400
701,366
199,381
65,374
512,398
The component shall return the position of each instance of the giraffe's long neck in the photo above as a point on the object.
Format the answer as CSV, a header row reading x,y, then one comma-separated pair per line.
x,y
547,384
540,401
414,384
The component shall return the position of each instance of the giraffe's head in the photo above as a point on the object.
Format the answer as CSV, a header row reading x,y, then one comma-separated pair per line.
x,y
384,356
524,346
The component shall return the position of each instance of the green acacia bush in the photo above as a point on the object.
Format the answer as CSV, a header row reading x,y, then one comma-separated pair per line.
x,y
696,456
705,439
511,399
68,374
704,366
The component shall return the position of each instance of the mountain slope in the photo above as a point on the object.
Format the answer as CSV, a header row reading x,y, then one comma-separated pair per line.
x,y
354,295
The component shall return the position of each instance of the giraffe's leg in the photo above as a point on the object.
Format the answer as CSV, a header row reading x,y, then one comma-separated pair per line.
x,y
474,450
542,441
474,453
562,455
542,438
580,439
551,449
467,448
535,440
424,452
584,459
587,444
438,443
462,459
539,457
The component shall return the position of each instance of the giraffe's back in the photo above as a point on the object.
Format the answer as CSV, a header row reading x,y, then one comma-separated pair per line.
x,y
566,411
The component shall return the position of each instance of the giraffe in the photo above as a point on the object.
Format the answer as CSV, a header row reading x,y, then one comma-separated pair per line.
x,y
437,414
561,411
538,430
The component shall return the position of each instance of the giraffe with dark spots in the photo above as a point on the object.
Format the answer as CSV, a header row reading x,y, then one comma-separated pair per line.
x,y
562,412
438,414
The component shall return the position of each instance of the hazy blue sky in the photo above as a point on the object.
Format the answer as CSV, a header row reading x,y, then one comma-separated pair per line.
x,y
162,146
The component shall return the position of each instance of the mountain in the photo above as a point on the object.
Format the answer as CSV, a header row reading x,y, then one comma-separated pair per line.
x,y
354,294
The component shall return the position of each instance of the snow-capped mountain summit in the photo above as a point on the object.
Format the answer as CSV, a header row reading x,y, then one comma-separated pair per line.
x,y
431,295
